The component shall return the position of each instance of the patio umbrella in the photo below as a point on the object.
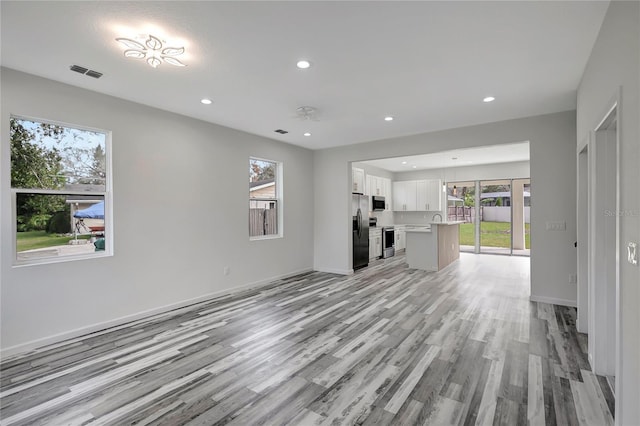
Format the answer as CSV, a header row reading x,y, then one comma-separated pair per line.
x,y
95,211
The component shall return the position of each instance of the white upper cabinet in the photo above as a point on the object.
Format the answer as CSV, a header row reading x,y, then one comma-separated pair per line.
x,y
357,176
417,195
404,195
379,186
429,196
434,195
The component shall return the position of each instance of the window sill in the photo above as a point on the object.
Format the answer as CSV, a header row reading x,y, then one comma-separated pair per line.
x,y
266,237
50,260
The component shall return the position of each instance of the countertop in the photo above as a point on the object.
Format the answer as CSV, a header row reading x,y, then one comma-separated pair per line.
x,y
453,222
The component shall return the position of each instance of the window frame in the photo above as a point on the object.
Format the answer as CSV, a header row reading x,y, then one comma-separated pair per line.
x,y
107,195
278,199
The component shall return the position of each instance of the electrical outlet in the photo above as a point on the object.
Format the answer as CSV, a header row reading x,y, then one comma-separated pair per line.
x,y
226,270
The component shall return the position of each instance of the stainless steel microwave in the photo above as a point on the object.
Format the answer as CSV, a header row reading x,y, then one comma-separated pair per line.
x,y
377,203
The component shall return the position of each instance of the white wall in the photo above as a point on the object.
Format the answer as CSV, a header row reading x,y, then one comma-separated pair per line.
x,y
612,68
502,214
553,174
163,163
515,169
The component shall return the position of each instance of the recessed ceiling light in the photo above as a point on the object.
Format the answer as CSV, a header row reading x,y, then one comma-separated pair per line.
x,y
415,167
307,134
206,101
489,99
388,118
404,162
303,65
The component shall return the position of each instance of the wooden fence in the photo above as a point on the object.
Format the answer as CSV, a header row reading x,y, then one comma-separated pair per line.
x,y
460,213
263,222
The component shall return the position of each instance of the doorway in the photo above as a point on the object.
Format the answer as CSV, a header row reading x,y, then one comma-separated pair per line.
x,y
601,260
461,207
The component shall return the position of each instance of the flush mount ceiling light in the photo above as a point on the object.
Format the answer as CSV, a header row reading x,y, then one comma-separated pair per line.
x,y
303,64
307,113
489,99
404,162
153,50
307,134
388,118
206,101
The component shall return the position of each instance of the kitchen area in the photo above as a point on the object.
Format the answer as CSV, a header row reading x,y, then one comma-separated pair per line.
x,y
401,216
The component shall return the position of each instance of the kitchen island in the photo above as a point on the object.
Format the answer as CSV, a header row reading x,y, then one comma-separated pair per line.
x,y
433,247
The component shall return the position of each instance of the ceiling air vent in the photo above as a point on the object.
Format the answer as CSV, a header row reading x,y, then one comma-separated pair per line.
x,y
85,71
78,68
282,132
94,74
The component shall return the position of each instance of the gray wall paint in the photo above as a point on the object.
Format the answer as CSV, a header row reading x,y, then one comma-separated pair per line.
x,y
612,68
164,167
553,175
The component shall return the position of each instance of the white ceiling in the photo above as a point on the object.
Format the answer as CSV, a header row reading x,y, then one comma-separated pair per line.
x,y
493,154
429,64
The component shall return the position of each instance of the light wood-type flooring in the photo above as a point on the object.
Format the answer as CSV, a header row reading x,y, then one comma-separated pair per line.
x,y
387,345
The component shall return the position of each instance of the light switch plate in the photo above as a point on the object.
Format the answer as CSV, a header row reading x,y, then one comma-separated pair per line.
x,y
632,253
556,226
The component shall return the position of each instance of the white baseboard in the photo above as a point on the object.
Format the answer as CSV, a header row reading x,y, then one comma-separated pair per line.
x,y
554,301
334,271
50,342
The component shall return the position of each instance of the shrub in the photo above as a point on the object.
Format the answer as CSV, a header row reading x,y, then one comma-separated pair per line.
x,y
59,223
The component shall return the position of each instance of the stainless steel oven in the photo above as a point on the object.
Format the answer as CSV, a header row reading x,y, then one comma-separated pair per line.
x,y
388,242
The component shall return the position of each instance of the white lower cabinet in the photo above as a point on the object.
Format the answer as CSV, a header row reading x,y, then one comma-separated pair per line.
x,y
400,233
375,243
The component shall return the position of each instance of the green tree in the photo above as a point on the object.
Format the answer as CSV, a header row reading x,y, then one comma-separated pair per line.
x,y
98,166
261,170
33,166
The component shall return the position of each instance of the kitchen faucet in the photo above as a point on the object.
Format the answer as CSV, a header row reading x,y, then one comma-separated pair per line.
x,y
434,217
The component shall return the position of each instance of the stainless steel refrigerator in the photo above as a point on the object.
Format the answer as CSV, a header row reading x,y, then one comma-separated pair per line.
x,y
360,213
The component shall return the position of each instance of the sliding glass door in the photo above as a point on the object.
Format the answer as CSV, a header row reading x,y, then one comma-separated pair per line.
x,y
461,206
495,223
495,214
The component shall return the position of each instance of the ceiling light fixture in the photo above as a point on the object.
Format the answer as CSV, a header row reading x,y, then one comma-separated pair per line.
x,y
415,167
303,65
388,118
307,134
404,162
489,99
206,101
154,51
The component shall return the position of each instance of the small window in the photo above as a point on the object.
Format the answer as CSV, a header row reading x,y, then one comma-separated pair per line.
x,y
60,187
264,198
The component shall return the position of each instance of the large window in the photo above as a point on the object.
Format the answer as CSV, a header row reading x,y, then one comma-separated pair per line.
x,y
60,188
264,198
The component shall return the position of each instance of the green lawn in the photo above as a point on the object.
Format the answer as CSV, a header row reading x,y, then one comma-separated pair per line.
x,y
40,239
492,234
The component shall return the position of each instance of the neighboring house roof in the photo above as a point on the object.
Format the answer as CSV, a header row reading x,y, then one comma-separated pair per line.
x,y
254,186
